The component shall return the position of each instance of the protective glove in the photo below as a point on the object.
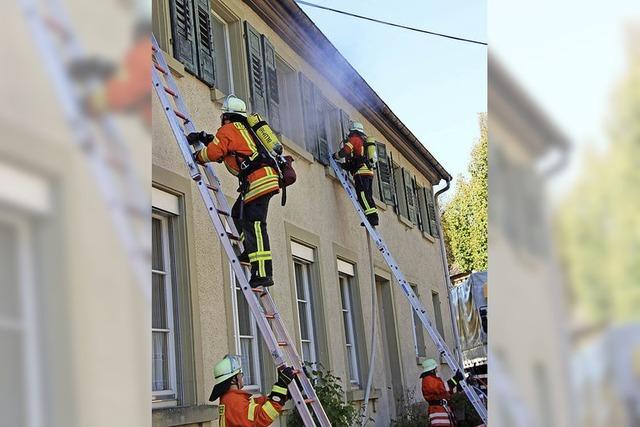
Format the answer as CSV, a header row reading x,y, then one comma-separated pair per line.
x,y
279,392
335,156
455,380
197,156
202,136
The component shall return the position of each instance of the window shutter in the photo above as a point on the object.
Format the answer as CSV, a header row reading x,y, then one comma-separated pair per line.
x,y
322,111
309,115
183,34
425,225
384,174
205,41
432,211
408,191
271,78
256,71
344,122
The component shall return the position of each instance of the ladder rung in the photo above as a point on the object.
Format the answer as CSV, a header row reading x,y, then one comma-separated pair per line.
x,y
212,188
270,316
159,68
182,116
57,26
223,212
170,92
283,343
307,401
232,236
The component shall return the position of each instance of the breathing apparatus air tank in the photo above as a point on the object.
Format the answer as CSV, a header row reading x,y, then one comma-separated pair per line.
x,y
265,134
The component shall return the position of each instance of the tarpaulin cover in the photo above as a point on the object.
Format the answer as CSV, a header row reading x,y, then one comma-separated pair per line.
x,y
466,300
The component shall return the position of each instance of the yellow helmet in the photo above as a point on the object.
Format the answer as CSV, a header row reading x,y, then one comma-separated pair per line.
x,y
429,365
227,368
356,127
233,104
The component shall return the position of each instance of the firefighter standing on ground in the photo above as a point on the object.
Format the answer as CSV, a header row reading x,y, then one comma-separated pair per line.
x,y
436,394
234,145
360,164
239,408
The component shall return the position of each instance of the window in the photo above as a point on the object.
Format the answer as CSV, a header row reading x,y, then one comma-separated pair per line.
x,y
290,102
437,313
222,54
315,129
246,336
191,34
302,264
346,279
163,327
399,188
418,330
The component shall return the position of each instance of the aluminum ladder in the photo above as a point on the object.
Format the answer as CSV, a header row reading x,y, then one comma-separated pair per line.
x,y
107,154
260,302
417,306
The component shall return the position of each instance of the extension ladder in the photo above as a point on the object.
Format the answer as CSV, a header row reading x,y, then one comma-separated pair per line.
x,y
260,302
107,154
419,309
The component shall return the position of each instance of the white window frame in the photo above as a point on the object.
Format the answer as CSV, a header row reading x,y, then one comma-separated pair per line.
x,y
254,359
346,282
227,46
163,397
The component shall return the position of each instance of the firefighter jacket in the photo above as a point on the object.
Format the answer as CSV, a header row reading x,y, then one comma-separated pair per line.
x,y
354,151
130,90
239,409
435,393
233,144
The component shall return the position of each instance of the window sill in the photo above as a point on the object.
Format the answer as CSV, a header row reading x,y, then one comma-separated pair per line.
x,y
184,415
357,395
428,236
406,221
217,96
164,403
380,204
297,149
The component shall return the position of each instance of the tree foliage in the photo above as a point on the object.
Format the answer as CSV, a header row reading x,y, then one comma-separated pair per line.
x,y
465,216
599,220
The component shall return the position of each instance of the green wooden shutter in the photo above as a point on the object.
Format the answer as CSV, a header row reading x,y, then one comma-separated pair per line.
x,y
183,34
322,112
344,123
271,78
408,192
257,86
432,211
204,41
424,224
309,115
384,174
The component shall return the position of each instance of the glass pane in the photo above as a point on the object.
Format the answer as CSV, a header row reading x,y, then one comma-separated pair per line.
x,y
244,315
299,272
13,405
159,303
246,351
306,352
222,64
160,362
352,366
347,332
343,294
304,327
156,236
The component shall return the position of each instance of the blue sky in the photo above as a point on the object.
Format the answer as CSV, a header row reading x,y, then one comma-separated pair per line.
x,y
436,86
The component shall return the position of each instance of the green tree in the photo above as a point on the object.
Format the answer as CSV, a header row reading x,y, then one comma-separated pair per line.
x,y
599,220
464,218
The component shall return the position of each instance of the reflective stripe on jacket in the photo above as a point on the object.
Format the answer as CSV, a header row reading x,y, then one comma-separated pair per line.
x,y
239,409
354,147
232,139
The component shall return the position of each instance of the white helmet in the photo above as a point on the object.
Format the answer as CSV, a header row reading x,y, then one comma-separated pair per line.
x,y
356,127
233,104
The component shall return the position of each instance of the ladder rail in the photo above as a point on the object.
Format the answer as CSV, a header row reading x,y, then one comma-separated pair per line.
x,y
215,201
415,303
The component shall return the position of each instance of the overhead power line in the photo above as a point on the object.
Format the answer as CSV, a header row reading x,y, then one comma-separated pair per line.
x,y
391,23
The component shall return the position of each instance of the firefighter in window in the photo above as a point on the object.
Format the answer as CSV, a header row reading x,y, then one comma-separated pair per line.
x,y
361,157
239,408
248,157
437,395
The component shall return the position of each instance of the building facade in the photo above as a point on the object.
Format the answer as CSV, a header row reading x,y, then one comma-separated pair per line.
x,y
272,55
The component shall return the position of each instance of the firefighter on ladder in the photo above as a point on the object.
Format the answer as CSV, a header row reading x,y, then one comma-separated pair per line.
x,y
239,408
235,145
360,161
436,394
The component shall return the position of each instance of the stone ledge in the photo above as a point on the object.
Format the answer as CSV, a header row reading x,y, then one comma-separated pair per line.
x,y
358,395
184,415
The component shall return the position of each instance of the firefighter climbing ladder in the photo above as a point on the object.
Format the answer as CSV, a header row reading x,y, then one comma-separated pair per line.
x,y
106,152
260,301
420,311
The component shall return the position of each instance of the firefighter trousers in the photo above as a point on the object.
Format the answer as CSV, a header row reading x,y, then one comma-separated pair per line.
x,y
364,187
253,233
